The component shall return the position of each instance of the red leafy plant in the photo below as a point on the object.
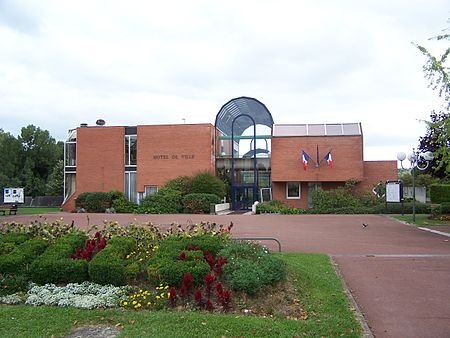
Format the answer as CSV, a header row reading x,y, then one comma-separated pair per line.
x,y
92,247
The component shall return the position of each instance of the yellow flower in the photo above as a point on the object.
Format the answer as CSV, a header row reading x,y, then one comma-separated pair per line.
x,y
149,303
134,302
157,297
125,303
140,260
140,290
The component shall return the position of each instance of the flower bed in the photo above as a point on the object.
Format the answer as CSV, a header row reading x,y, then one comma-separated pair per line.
x,y
138,267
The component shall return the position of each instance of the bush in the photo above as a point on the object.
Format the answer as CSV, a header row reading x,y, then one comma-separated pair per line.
x,y
250,267
181,183
122,205
207,183
10,283
278,207
396,208
324,200
165,201
17,260
55,266
172,272
440,193
165,267
109,265
199,203
94,201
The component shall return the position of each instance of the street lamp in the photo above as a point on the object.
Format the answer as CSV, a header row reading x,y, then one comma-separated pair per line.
x,y
419,161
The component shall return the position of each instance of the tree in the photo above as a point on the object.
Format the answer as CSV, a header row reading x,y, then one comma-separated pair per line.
x,y
10,165
39,155
55,181
437,138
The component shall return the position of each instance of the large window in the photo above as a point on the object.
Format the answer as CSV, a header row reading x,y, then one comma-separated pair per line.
x,y
130,186
293,190
130,150
69,184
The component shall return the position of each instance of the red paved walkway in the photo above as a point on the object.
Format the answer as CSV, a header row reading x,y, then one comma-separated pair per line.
x,y
399,275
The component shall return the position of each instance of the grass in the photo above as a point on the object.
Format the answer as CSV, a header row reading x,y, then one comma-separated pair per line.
x,y
35,211
421,220
320,294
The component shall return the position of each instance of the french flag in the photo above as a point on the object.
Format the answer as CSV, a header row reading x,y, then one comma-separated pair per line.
x,y
305,158
329,159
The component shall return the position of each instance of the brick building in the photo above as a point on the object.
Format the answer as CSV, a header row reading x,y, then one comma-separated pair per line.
x,y
261,160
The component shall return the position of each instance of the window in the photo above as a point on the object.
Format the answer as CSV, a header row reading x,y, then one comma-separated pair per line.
x,y
293,190
130,186
130,150
150,190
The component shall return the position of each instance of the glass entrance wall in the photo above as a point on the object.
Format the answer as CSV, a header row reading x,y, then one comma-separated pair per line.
x,y
243,139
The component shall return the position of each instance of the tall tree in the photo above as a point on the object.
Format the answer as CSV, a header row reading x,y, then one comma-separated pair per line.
x,y
40,153
437,138
10,151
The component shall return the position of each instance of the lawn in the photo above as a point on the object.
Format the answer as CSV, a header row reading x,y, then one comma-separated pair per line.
x,y
421,220
36,211
327,313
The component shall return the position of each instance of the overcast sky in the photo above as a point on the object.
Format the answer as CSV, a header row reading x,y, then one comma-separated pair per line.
x,y
63,63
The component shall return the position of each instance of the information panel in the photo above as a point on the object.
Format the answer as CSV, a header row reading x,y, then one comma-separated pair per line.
x,y
394,192
13,195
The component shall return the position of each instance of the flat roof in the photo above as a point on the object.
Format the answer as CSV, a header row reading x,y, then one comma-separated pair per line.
x,y
320,129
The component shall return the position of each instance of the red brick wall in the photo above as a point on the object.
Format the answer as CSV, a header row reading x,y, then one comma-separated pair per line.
x,y
376,171
346,151
167,151
100,161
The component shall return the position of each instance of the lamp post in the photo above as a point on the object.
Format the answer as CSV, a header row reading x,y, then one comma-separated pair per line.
x,y
419,161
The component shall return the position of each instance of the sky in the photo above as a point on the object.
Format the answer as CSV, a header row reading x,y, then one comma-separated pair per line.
x,y
63,63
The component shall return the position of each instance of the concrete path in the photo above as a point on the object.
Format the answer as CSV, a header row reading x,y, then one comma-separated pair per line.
x,y
399,275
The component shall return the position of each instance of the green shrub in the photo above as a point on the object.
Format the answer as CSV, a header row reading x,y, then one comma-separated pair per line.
x,y
278,207
250,267
440,193
109,265
165,201
396,208
207,183
14,237
10,283
17,260
165,267
445,208
171,246
181,183
122,205
55,265
199,203
6,247
95,201
172,272
333,199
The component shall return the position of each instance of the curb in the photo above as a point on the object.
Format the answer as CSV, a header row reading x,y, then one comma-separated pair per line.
x,y
367,333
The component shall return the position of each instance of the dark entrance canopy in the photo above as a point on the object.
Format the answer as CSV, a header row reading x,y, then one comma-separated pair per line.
x,y
240,106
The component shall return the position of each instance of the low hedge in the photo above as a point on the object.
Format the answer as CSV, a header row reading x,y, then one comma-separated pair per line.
x,y
440,193
199,203
250,266
164,270
109,265
17,260
55,265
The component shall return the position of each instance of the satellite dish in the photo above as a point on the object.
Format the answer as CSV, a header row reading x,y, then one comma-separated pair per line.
x,y
100,122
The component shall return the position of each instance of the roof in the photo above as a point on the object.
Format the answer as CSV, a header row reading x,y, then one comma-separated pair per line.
x,y
242,106
324,129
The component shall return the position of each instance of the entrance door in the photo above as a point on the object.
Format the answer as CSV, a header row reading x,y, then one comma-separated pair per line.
x,y
244,198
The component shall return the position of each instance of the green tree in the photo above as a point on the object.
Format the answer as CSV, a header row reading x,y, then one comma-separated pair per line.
x,y
39,155
437,138
10,151
55,181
